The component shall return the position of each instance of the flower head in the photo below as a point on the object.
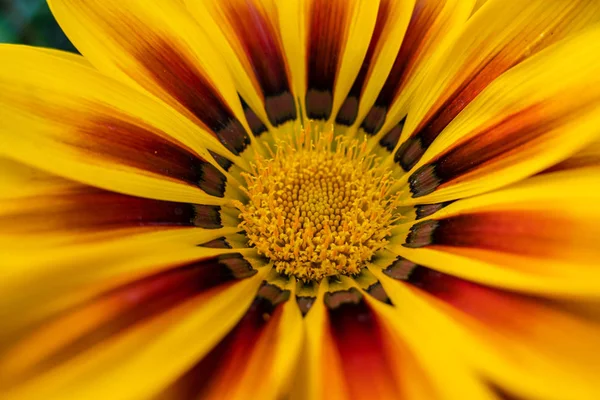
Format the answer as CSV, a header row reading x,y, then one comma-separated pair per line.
x,y
303,199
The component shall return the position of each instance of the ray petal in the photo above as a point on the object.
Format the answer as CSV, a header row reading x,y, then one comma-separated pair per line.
x,y
536,236
133,354
255,359
391,24
511,339
499,36
162,50
248,34
325,43
522,123
68,119
43,210
432,24
418,352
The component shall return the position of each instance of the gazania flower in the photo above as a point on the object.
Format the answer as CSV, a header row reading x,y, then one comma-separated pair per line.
x,y
303,199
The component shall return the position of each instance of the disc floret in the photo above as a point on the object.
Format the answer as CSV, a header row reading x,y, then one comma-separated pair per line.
x,y
318,207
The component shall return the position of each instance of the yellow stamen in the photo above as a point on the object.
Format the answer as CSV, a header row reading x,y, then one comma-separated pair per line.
x,y
318,207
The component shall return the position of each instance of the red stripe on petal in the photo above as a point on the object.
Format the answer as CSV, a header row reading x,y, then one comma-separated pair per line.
x,y
84,209
491,306
258,37
523,232
359,341
468,87
327,21
138,145
178,76
489,144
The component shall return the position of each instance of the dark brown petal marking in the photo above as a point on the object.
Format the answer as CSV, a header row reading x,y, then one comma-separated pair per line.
x,y
273,294
428,279
84,209
500,140
219,243
349,110
328,20
369,283
305,303
140,301
259,38
390,139
222,161
212,180
376,290
424,14
237,265
178,76
425,210
280,108
230,355
256,125
334,300
424,181
421,234
207,217
409,153
401,269
306,295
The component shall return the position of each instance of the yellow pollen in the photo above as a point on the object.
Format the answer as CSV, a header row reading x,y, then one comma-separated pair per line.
x,y
318,207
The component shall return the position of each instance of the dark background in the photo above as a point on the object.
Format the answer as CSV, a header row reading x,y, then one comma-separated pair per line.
x,y
30,22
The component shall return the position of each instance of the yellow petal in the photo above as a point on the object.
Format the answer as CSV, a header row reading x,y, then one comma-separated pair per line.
x,y
418,352
536,236
325,43
43,210
522,123
257,359
68,119
247,34
127,364
391,24
499,36
81,271
432,24
162,50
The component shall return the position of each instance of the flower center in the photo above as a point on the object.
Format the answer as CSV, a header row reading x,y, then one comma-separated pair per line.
x,y
318,207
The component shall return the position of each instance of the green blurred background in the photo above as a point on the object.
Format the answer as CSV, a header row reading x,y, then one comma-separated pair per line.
x,y
30,22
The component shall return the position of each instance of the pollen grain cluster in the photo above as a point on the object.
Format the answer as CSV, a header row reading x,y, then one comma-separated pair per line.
x,y
318,207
